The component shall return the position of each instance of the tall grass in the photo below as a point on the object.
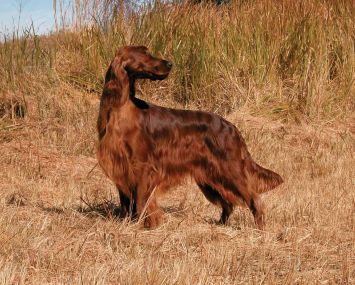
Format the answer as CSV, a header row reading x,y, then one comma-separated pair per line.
x,y
292,60
261,61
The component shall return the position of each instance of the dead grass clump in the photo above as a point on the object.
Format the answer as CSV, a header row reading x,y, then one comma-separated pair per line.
x,y
12,108
16,199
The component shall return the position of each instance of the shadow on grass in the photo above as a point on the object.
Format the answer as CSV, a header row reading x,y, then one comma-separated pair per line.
x,y
105,209
52,209
176,211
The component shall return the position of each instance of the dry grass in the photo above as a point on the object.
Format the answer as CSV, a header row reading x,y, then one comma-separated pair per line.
x,y
57,221
57,210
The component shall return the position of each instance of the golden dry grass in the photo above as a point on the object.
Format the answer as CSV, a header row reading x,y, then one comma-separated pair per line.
x,y
57,209
57,223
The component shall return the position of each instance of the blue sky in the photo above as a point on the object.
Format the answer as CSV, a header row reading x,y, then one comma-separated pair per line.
x,y
38,11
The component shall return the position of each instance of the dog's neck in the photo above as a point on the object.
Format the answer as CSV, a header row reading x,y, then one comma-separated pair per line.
x,y
132,95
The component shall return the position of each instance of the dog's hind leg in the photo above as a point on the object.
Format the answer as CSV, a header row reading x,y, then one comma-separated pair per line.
x,y
214,197
233,192
257,208
252,200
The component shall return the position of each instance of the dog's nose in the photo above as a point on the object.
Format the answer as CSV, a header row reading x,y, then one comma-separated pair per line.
x,y
169,65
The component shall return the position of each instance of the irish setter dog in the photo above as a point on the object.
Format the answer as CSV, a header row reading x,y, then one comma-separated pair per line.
x,y
143,146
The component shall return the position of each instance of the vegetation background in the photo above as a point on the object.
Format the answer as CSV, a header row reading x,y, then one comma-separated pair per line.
x,y
282,71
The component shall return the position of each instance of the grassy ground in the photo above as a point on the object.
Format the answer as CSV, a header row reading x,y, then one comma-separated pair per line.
x,y
57,222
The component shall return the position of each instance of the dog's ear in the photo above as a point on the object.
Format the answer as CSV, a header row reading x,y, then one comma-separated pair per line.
x,y
117,67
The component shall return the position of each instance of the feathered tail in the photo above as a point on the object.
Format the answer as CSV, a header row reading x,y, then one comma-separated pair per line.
x,y
264,179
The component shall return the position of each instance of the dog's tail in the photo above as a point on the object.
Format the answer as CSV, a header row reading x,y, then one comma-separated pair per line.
x,y
264,179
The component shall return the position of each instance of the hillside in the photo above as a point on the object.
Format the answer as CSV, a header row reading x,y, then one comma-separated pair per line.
x,y
282,73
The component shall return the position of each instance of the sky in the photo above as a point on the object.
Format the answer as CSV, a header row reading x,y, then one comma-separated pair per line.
x,y
40,12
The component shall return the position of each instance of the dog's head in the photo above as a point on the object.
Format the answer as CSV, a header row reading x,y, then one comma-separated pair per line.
x,y
137,62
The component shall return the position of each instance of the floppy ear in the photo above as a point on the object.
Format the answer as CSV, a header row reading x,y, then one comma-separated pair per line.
x,y
116,79
117,68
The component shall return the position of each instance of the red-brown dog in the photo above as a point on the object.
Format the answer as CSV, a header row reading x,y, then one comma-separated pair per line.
x,y
143,146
